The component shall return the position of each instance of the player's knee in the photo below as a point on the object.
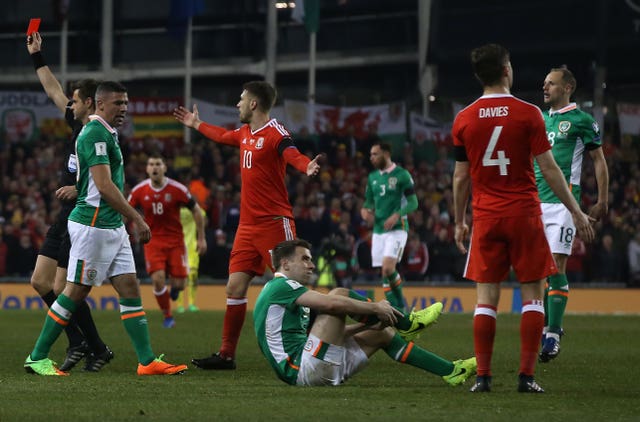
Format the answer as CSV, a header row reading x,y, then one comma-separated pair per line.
x,y
236,290
40,284
388,271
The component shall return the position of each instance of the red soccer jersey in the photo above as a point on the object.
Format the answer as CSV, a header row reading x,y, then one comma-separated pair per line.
x,y
161,209
501,134
262,169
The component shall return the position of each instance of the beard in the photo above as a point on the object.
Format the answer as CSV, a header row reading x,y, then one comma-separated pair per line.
x,y
380,164
245,118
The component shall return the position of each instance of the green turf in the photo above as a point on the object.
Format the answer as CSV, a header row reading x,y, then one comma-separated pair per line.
x,y
594,378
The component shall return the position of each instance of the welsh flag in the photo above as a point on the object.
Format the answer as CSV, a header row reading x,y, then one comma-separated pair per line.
x,y
388,121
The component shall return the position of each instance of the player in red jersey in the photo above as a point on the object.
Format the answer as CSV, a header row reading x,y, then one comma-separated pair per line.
x,y
266,217
160,199
495,139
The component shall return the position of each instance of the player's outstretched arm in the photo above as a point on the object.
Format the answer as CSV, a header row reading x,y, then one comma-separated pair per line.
x,y
49,82
188,118
313,167
215,133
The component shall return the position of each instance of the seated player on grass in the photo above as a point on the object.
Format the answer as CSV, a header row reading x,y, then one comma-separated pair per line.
x,y
327,351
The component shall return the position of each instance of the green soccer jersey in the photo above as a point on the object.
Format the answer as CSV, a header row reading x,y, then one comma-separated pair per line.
x,y
97,143
569,131
281,326
386,193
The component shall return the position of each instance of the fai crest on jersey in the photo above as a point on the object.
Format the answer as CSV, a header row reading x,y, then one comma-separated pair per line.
x,y
564,126
92,274
596,128
167,197
308,345
393,181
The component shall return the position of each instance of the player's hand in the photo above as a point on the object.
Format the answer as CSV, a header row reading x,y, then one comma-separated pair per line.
x,y
387,314
461,234
599,210
584,226
367,215
67,193
313,167
391,221
186,117
201,246
34,42
144,232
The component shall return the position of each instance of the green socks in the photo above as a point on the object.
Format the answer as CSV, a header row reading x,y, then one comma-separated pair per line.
x,y
392,287
57,318
409,353
557,301
135,322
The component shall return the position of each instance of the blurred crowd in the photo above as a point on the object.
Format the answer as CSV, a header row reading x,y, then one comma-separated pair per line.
x,y
326,207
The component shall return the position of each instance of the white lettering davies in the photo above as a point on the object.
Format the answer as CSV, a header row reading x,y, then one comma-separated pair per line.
x,y
493,112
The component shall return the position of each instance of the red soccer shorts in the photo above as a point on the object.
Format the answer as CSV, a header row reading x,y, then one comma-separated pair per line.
x,y
251,251
172,259
500,243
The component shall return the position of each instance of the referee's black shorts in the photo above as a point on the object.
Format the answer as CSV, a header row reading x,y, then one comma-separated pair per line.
x,y
57,244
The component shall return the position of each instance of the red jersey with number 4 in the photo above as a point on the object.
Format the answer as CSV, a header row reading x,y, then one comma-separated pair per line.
x,y
262,168
501,134
161,209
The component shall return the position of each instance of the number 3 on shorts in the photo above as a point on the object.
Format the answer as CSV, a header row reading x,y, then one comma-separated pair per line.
x,y
502,161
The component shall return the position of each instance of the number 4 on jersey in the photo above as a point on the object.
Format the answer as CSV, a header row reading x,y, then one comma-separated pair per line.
x,y
502,161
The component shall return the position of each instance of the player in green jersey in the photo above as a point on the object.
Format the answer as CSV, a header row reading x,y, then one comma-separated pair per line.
x,y
327,351
570,132
100,247
389,197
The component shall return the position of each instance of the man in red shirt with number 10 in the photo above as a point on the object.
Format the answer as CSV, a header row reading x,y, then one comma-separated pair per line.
x,y
266,217
495,140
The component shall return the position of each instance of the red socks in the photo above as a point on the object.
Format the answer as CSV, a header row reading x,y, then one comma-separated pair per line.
x,y
164,301
531,326
233,321
484,332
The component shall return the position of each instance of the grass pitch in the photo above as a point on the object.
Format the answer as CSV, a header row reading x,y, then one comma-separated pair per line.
x,y
594,378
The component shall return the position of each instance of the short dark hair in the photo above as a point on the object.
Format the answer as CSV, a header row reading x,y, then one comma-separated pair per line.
x,y
488,62
109,87
264,93
287,249
155,155
567,77
385,146
86,89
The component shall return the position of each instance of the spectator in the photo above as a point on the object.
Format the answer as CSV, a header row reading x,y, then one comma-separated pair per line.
x,y
575,262
217,261
4,250
416,259
607,263
26,255
443,254
634,260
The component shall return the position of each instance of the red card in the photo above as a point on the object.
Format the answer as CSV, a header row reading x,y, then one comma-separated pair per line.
x,y
34,25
